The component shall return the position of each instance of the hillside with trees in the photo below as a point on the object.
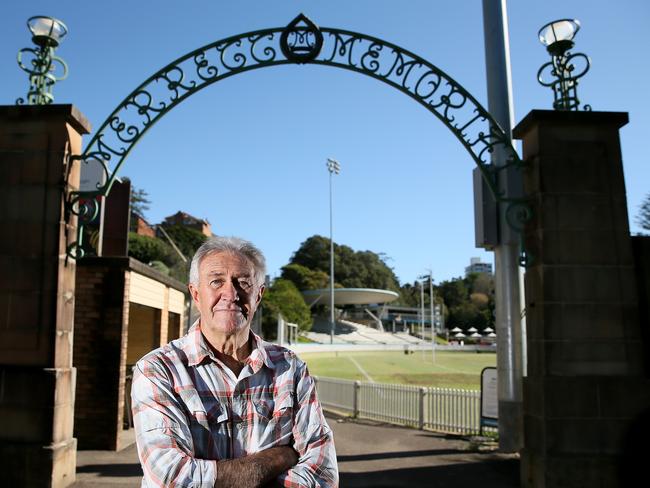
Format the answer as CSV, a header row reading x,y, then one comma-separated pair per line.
x,y
467,301
310,265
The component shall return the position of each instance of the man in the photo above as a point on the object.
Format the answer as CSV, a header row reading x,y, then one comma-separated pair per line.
x,y
220,407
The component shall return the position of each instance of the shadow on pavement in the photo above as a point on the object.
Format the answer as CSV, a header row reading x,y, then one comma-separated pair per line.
x,y
395,455
501,474
112,470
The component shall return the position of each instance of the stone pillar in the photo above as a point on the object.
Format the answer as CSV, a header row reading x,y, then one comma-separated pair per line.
x,y
37,287
586,381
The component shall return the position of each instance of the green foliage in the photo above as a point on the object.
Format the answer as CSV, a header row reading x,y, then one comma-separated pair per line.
x,y
470,301
352,269
643,218
454,292
409,295
160,266
305,278
149,249
188,240
282,297
180,271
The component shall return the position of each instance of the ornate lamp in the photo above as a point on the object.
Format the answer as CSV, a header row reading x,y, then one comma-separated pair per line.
x,y
47,33
558,37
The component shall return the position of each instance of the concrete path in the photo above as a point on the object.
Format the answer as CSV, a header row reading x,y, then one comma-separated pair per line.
x,y
370,454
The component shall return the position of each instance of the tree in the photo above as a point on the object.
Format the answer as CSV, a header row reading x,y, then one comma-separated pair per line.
x,y
139,199
282,297
188,240
149,249
305,278
409,295
352,269
643,218
454,292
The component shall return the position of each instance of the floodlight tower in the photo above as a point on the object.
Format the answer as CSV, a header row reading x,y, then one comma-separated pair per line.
x,y
333,166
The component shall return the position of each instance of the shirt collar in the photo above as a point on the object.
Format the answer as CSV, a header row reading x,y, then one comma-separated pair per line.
x,y
196,349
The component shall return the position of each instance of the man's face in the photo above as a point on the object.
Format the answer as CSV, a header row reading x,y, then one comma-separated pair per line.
x,y
227,294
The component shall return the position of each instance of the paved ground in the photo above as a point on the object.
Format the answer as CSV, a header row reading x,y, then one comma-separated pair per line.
x,y
370,454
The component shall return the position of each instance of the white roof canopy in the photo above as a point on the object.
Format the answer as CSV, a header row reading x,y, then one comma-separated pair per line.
x,y
349,296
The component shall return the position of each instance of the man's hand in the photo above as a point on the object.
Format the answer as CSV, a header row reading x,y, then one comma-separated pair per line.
x,y
255,470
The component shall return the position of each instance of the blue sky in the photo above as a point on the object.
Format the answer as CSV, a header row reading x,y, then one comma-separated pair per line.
x,y
248,153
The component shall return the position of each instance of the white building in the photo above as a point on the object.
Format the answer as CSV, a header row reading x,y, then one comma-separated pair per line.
x,y
476,266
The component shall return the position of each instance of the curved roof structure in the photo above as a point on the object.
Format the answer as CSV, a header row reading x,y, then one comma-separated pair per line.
x,y
349,296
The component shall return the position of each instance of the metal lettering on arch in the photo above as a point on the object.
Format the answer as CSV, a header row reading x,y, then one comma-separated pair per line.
x,y
300,42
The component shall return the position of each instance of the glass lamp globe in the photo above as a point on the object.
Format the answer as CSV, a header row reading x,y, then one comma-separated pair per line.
x,y
558,35
46,30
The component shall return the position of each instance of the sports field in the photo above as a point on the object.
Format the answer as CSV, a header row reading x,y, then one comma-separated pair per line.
x,y
450,370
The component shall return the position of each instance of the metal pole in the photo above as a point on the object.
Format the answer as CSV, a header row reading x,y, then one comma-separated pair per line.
x,y
333,166
332,324
422,310
510,327
433,330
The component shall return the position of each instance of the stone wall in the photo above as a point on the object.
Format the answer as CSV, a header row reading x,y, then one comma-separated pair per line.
x,y
37,289
586,382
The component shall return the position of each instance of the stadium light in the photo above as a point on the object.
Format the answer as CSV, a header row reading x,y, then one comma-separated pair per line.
x,y
333,166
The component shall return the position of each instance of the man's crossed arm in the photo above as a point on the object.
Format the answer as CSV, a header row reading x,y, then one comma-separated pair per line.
x,y
256,470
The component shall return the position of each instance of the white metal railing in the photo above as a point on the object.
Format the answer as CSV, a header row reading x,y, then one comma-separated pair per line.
x,y
442,409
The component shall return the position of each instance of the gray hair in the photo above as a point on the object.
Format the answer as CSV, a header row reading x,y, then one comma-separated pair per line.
x,y
233,245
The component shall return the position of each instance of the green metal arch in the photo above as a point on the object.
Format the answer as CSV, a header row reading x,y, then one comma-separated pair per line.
x,y
300,42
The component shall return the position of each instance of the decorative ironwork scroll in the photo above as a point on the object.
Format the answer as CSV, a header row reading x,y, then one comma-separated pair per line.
x,y
561,74
41,69
300,42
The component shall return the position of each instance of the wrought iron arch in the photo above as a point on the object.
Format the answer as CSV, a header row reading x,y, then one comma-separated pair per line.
x,y
300,42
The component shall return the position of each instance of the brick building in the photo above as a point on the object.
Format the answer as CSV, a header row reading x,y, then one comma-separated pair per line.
x,y
140,226
187,220
123,310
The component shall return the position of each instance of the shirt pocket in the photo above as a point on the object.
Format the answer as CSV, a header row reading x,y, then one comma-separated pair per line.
x,y
209,431
274,420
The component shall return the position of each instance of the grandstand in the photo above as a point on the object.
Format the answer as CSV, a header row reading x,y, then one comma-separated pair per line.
x,y
348,332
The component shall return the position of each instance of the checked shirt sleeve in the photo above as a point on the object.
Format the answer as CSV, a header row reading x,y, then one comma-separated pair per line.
x,y
163,435
313,440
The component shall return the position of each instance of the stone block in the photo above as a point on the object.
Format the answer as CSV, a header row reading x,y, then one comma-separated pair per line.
x,y
579,471
581,247
587,284
585,358
22,313
28,274
534,433
584,321
38,466
25,424
576,435
623,398
585,212
62,422
570,397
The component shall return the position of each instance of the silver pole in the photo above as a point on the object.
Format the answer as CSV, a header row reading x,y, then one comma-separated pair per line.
x,y
422,310
509,325
333,166
433,330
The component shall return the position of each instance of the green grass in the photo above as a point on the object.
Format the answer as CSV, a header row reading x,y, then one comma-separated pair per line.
x,y
451,369
305,340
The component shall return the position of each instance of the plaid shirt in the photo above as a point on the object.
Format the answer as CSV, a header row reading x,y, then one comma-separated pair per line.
x,y
190,410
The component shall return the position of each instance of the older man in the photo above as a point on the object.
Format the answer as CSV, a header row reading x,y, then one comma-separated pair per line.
x,y
220,407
